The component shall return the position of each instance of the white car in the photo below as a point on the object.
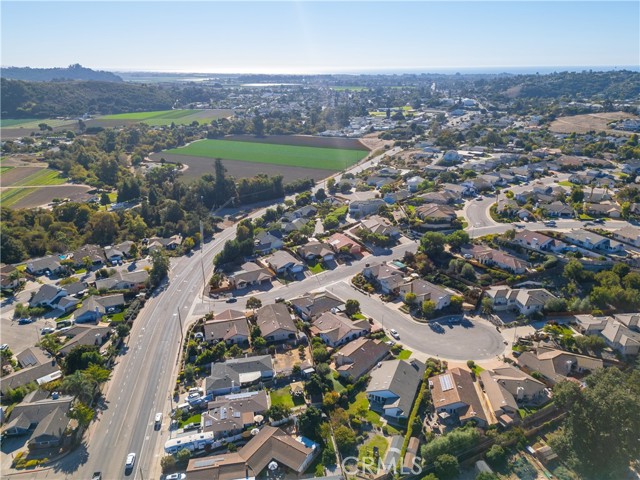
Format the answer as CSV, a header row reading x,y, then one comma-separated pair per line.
x,y
131,460
158,420
394,333
176,476
3,347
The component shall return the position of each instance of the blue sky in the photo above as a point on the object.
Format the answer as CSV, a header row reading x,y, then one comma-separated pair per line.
x,y
306,37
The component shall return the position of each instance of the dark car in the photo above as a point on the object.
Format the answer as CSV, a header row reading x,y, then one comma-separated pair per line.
x,y
232,300
24,321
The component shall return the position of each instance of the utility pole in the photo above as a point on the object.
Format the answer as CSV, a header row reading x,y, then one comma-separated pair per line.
x,y
181,335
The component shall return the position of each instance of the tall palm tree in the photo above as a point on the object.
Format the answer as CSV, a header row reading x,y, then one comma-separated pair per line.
x,y
80,386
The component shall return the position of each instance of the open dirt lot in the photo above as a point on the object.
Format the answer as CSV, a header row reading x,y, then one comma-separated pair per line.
x,y
590,122
198,166
303,141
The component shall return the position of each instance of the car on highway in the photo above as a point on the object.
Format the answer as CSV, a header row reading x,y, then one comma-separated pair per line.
x,y
394,334
24,321
158,420
131,460
176,476
232,300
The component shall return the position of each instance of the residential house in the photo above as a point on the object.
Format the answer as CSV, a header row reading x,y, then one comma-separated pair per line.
x,y
557,365
621,332
459,190
117,253
525,300
8,279
593,241
270,445
93,308
507,206
435,213
336,330
124,281
47,295
282,262
387,276
76,289
232,331
94,253
231,375
558,209
276,323
397,197
607,209
295,225
454,396
318,251
359,356
158,243
32,357
312,305
378,181
538,241
451,157
393,387
266,242
363,208
39,374
230,415
491,257
306,211
414,182
66,304
250,274
380,226
343,244
628,234
424,291
44,420
507,388
84,335
50,265
441,198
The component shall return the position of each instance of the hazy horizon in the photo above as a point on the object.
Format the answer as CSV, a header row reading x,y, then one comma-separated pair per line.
x,y
320,37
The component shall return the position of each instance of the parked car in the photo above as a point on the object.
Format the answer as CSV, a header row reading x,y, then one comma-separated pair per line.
x,y
176,476
550,223
191,426
394,334
391,343
279,300
232,300
47,330
24,321
3,347
131,460
96,476
599,221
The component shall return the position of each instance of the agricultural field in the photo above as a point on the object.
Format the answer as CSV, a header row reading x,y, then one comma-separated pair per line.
x,y
245,156
11,122
275,154
33,123
162,117
597,122
27,187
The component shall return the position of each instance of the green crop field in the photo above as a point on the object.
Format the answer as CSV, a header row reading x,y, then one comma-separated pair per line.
x,y
274,154
11,196
4,169
11,122
167,117
41,177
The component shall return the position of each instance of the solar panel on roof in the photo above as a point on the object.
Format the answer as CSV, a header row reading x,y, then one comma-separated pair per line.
x,y
446,382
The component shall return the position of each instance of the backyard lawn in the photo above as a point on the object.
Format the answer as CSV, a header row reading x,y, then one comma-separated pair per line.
x,y
282,397
317,268
361,403
366,450
193,418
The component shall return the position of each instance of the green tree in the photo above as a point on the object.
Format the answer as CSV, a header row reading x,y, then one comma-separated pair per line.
x,y
486,305
79,385
428,308
104,199
409,298
160,268
496,456
432,244
597,440
82,413
259,343
345,439
278,412
447,466
309,423
183,456
97,374
80,357
254,303
457,239
168,463
351,307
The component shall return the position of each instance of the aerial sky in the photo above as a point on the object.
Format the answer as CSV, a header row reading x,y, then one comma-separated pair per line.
x,y
319,37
